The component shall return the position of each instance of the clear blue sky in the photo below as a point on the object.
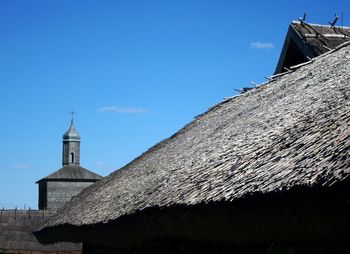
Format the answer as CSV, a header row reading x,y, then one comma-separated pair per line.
x,y
135,71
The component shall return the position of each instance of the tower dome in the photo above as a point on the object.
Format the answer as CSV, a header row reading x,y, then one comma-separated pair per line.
x,y
71,134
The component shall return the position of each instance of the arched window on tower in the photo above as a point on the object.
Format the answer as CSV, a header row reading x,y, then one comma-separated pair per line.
x,y
72,157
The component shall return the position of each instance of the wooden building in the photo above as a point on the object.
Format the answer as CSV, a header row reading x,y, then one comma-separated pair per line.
x,y
264,172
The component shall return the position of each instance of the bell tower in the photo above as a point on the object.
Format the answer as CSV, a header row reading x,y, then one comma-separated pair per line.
x,y
71,146
60,186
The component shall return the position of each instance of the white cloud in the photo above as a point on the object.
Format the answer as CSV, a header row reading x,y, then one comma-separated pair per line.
x,y
262,45
100,164
21,165
125,110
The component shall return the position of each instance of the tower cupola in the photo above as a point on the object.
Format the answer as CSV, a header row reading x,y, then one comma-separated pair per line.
x,y
71,134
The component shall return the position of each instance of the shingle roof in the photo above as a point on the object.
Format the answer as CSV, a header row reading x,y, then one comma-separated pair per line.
x,y
72,172
16,235
293,131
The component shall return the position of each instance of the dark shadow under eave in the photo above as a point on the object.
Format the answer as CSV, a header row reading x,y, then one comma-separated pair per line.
x,y
302,219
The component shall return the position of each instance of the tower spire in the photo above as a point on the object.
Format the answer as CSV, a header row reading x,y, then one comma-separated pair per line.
x,y
72,116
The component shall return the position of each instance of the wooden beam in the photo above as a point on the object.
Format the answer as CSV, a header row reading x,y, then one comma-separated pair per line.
x,y
325,35
326,47
313,29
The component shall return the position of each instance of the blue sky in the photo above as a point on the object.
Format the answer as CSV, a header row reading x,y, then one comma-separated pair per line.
x,y
134,71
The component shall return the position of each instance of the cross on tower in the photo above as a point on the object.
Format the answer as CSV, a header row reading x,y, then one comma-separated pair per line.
x,y
72,115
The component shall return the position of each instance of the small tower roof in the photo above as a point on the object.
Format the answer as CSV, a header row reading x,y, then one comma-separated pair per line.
x,y
74,172
71,134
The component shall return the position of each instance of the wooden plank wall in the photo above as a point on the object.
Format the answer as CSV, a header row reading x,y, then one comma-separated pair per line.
x,y
60,192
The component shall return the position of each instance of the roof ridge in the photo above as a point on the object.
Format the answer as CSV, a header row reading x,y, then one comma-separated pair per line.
x,y
273,78
320,25
311,60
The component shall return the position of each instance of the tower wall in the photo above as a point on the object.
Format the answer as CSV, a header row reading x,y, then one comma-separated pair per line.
x,y
60,192
71,153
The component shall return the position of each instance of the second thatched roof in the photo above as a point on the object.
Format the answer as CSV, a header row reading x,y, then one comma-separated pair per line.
x,y
304,41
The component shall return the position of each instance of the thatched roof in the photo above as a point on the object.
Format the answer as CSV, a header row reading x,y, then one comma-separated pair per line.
x,y
306,40
288,136
16,235
293,131
72,172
